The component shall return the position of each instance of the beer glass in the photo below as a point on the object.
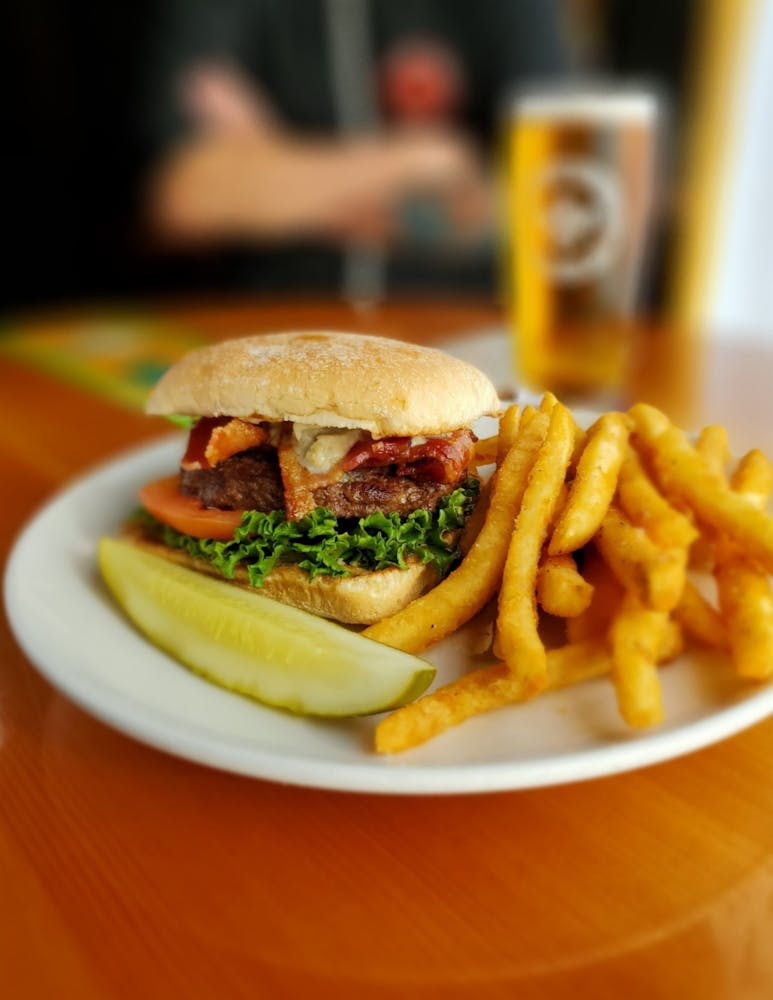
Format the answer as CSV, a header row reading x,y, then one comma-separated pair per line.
x,y
580,171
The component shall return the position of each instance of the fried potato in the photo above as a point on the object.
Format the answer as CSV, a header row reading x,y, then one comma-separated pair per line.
x,y
561,589
637,635
683,473
518,639
490,452
486,450
607,596
595,529
492,687
483,690
646,507
594,484
474,582
672,642
743,588
656,576
494,448
753,478
700,619
714,448
746,604
509,423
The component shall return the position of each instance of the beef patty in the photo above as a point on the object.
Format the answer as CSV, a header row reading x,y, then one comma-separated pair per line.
x,y
251,480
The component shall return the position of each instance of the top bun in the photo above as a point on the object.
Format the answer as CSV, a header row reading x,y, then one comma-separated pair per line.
x,y
328,379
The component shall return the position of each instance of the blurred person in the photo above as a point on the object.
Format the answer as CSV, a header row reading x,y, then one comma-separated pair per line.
x,y
337,145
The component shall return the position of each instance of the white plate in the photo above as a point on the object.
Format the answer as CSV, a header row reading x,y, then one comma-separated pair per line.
x,y
69,627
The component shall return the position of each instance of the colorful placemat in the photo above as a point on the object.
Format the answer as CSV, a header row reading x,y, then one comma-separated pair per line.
x,y
119,358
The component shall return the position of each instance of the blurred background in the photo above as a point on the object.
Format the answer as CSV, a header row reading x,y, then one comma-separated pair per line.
x,y
309,147
348,148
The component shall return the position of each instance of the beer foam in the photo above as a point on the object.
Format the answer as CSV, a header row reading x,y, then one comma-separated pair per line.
x,y
639,106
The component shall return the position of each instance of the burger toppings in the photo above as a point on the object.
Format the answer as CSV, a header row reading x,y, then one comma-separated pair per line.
x,y
320,543
346,471
163,500
215,439
320,448
247,481
440,459
299,483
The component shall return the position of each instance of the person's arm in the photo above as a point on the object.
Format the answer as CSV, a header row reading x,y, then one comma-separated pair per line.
x,y
262,183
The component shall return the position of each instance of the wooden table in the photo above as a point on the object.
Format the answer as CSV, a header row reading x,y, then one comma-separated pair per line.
x,y
128,873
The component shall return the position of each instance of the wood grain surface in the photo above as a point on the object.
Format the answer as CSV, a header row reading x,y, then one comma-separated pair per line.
x,y
128,873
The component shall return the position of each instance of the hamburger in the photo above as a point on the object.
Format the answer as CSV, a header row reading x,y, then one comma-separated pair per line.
x,y
333,471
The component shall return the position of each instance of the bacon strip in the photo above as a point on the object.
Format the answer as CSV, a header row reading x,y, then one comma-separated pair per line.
x,y
440,459
298,482
214,439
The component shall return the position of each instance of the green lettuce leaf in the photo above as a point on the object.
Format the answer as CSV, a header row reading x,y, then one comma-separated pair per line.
x,y
324,545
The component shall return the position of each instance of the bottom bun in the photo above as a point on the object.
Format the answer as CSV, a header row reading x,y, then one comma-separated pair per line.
x,y
363,598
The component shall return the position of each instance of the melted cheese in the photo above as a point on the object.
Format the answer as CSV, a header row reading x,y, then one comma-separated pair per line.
x,y
318,449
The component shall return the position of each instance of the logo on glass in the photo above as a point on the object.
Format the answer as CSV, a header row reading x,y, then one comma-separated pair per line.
x,y
582,219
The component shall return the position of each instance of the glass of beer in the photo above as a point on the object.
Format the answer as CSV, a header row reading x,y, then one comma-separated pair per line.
x,y
580,171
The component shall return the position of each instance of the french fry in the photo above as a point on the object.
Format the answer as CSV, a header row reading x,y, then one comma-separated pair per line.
x,y
595,528
672,642
486,450
684,474
580,436
501,442
753,478
518,638
637,635
646,507
561,589
483,690
594,484
745,598
474,582
746,604
700,619
494,448
714,448
656,576
528,414
607,596
508,432
489,688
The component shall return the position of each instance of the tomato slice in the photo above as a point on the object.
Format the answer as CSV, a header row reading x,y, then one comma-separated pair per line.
x,y
165,502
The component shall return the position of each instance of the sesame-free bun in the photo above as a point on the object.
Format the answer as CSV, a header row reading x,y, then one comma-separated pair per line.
x,y
363,598
328,379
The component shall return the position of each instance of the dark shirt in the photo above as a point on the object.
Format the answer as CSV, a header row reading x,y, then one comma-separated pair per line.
x,y
285,47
